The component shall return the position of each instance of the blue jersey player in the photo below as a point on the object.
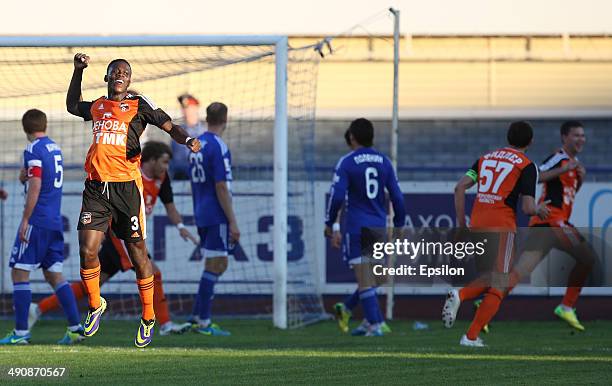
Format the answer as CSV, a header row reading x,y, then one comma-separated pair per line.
x,y
40,239
360,179
210,172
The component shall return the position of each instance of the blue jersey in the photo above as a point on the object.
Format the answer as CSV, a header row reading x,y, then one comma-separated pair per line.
x,y
45,154
213,163
361,178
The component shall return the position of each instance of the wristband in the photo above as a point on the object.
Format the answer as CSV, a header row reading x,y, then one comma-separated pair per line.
x,y
180,226
336,227
187,140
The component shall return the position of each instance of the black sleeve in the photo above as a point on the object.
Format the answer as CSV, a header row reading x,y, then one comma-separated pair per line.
x,y
165,191
85,110
149,113
528,180
473,171
475,166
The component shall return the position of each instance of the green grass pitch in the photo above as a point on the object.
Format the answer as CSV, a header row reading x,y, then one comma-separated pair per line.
x,y
518,353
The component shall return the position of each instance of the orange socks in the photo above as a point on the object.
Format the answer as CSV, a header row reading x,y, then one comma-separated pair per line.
x,y
487,310
571,296
467,293
145,289
159,300
52,302
575,281
91,282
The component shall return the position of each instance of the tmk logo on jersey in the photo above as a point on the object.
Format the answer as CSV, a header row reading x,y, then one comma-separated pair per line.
x,y
106,138
107,115
86,218
101,107
124,107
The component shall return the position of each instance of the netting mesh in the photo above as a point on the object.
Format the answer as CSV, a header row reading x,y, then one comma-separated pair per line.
x,y
243,77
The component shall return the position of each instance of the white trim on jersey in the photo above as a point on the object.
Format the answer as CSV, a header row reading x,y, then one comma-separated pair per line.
x,y
35,163
222,145
552,161
331,190
30,147
149,102
342,159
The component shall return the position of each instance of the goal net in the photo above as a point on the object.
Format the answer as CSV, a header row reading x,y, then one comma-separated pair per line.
x,y
244,77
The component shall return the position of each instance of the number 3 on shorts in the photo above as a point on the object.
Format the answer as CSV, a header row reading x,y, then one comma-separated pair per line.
x,y
134,221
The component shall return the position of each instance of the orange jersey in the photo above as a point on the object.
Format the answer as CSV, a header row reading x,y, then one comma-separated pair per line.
x,y
114,155
560,190
154,188
502,175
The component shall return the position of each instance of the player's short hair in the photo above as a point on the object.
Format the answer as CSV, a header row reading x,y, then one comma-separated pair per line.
x,y
34,121
216,113
115,61
363,131
520,134
155,150
567,126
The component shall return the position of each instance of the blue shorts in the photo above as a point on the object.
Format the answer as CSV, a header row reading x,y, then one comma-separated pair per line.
x,y
214,240
357,247
45,248
351,248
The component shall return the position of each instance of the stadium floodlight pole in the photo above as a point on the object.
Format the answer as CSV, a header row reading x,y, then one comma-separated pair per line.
x,y
280,121
394,139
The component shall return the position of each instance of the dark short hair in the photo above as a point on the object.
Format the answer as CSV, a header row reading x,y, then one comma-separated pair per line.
x,y
216,113
520,134
34,121
363,131
154,150
115,61
567,126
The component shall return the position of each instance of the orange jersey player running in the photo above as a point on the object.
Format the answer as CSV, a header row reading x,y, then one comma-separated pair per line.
x,y
114,256
113,189
502,176
562,175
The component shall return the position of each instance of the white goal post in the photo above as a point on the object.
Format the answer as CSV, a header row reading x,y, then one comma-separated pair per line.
x,y
280,167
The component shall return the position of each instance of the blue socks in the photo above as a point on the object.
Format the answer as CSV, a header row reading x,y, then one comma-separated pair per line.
x,y
351,301
207,292
196,305
381,318
369,302
68,301
22,297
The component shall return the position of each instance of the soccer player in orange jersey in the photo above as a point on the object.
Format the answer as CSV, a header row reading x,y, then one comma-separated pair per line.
x,y
562,175
502,177
114,256
113,188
